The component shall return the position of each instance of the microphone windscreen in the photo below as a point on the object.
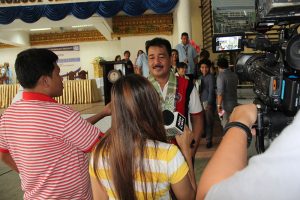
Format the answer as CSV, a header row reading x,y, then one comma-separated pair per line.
x,y
168,117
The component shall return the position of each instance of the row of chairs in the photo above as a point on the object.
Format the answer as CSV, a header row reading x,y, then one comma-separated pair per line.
x,y
80,75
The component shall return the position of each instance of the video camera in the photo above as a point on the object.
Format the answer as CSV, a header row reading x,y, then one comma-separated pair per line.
x,y
275,70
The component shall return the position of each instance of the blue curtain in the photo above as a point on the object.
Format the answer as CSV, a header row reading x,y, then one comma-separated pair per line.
x,y
84,10
8,15
31,14
134,7
57,12
109,8
162,6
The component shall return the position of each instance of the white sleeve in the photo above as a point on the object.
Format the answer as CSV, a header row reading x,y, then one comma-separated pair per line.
x,y
19,95
271,175
195,104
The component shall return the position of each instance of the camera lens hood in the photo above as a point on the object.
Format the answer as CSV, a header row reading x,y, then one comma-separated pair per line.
x,y
293,52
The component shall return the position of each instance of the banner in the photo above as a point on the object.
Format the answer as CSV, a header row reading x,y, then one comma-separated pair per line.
x,y
10,3
68,58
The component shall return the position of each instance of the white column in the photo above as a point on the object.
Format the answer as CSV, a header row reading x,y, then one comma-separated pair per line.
x,y
183,15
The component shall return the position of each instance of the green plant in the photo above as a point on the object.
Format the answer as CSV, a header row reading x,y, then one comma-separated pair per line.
x,y
98,59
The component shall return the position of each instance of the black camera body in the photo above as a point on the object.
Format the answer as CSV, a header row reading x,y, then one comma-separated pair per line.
x,y
275,71
276,11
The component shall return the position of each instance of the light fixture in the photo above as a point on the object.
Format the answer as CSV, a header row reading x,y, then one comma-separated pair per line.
x,y
39,29
82,26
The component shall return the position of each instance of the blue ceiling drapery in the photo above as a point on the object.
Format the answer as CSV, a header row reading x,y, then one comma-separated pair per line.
x,y
31,14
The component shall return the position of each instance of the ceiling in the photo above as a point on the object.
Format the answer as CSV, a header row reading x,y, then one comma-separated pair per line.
x,y
18,32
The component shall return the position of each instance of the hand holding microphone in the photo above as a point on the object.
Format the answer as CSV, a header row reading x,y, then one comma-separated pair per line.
x,y
184,141
175,127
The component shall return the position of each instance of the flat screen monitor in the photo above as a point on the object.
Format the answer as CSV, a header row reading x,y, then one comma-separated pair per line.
x,y
228,42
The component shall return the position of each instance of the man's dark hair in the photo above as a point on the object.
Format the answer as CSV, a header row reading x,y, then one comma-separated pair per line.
x,y
159,42
181,65
174,50
204,53
31,64
222,63
205,62
126,52
185,34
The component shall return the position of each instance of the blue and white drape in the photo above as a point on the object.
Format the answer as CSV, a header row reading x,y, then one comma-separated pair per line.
x,y
31,14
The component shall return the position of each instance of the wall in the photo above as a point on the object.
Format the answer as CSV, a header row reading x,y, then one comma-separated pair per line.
x,y
196,22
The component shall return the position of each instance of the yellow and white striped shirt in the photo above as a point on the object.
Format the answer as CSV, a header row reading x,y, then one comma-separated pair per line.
x,y
163,168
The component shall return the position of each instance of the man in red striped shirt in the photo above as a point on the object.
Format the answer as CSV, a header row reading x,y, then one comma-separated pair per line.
x,y
44,141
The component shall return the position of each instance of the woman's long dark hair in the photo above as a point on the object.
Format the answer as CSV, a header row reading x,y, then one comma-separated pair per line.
x,y
136,117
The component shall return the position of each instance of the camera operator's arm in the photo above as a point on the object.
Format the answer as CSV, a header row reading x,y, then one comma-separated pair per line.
x,y
231,155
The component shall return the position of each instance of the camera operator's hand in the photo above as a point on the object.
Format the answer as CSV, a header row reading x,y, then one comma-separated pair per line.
x,y
246,114
231,155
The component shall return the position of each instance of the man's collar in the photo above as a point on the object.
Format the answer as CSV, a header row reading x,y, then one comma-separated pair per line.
x,y
37,96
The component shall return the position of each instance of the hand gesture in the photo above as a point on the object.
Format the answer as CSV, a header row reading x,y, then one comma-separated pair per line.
x,y
107,109
184,141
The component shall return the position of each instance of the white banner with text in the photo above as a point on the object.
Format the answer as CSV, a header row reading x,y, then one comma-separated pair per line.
x,y
68,58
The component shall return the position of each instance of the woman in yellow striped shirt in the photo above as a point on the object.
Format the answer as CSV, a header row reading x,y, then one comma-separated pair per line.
x,y
134,160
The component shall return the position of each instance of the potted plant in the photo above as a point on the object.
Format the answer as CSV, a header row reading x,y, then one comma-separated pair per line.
x,y
98,69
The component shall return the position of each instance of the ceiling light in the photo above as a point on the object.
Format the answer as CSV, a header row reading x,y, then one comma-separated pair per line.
x,y
81,26
39,29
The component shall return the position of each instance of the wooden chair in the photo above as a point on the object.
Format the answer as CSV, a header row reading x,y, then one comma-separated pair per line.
x,y
82,74
71,75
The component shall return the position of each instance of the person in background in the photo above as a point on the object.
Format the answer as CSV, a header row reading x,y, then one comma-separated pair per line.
x,y
208,99
118,58
129,66
174,59
137,70
271,175
204,55
142,64
170,87
187,54
181,69
8,73
2,74
227,82
138,54
44,141
134,160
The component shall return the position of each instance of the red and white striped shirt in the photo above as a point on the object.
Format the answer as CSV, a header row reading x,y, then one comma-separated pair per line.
x,y
48,142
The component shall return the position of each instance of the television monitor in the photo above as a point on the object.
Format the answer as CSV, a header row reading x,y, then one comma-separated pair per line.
x,y
229,42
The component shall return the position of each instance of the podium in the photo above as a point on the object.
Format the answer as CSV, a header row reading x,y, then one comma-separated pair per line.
x,y
112,70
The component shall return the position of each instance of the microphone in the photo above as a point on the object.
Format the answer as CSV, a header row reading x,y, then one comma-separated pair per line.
x,y
174,123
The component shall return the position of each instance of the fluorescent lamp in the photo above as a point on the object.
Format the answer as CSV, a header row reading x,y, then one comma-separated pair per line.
x,y
39,29
82,26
